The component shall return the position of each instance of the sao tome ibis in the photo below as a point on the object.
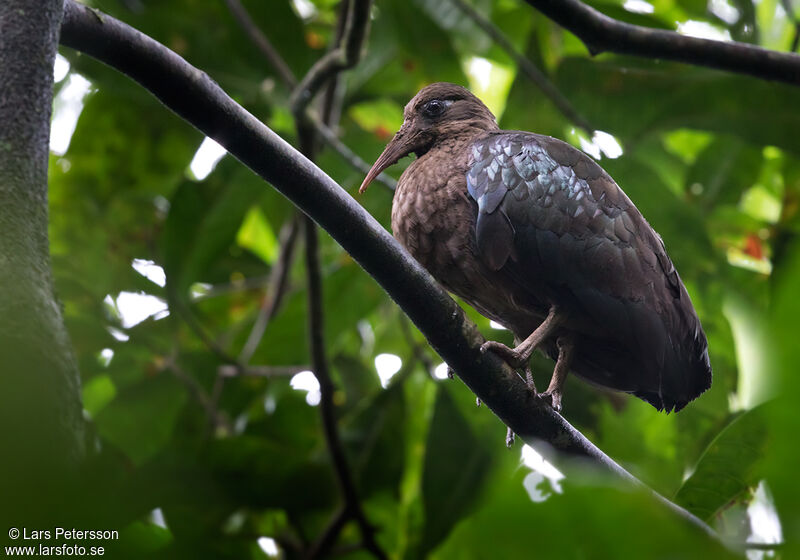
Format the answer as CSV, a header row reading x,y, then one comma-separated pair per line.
x,y
538,237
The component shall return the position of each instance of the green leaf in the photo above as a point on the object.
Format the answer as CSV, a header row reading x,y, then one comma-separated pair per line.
x,y
374,437
457,465
724,170
783,417
590,520
668,96
256,235
202,224
382,117
141,539
141,419
349,296
264,473
97,393
730,466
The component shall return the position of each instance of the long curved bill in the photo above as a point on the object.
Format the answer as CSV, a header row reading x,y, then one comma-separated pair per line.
x,y
399,147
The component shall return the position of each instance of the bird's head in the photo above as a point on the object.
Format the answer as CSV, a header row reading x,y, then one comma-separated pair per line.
x,y
438,112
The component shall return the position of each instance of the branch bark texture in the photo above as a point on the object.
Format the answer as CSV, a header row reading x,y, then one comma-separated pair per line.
x,y
194,96
601,33
40,409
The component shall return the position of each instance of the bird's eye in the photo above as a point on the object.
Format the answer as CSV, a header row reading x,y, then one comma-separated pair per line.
x,y
435,108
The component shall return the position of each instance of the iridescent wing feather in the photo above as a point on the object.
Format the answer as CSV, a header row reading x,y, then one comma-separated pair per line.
x,y
552,219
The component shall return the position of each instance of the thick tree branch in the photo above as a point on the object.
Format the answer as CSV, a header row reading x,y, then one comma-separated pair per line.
x,y
43,428
526,66
601,33
195,97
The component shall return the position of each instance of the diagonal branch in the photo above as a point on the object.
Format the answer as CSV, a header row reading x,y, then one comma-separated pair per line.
x,y
319,364
526,66
790,13
278,281
307,139
216,420
262,42
195,97
229,370
601,33
344,56
344,151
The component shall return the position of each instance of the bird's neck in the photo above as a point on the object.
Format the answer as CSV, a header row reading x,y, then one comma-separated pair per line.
x,y
456,143
466,131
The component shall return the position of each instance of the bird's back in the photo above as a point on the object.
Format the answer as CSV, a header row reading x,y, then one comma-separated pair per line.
x,y
555,224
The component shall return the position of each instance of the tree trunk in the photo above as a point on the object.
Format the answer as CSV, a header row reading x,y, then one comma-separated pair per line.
x,y
41,425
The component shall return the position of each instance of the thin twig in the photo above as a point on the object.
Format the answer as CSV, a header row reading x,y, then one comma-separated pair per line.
x,y
762,546
276,60
260,371
330,138
235,286
601,33
417,349
789,9
197,98
197,328
334,92
319,364
329,535
276,290
341,58
199,394
262,42
528,68
328,78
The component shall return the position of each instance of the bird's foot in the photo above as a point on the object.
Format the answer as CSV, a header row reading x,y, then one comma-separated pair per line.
x,y
513,358
552,398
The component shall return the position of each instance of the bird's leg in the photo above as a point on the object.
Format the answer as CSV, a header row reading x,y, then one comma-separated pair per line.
x,y
519,356
528,371
554,390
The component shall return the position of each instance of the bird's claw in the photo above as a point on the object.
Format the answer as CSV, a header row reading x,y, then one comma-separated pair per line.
x,y
511,356
551,398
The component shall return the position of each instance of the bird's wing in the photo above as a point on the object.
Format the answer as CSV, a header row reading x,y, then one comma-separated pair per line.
x,y
550,216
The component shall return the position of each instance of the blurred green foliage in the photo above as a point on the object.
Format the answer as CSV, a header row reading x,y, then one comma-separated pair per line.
x,y
711,159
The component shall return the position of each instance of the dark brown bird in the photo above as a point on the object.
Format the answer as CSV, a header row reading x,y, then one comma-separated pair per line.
x,y
536,236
